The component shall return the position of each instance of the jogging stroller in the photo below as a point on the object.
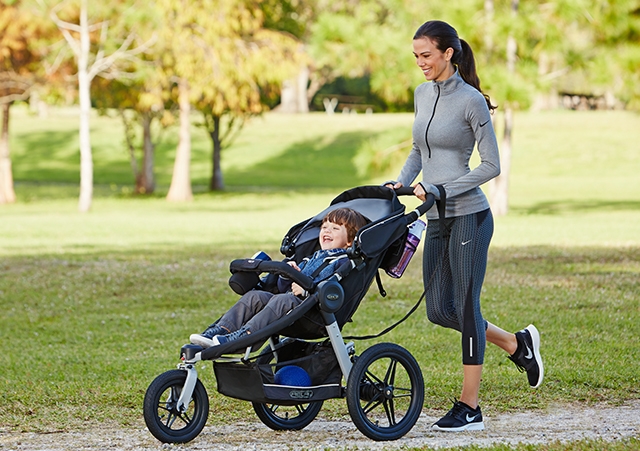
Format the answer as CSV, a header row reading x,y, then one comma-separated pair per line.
x,y
384,386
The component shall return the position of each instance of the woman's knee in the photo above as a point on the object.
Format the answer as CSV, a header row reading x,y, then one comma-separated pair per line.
x,y
440,319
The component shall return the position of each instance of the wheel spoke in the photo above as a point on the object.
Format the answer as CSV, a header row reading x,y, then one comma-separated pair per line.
x,y
389,410
390,377
171,419
375,380
371,405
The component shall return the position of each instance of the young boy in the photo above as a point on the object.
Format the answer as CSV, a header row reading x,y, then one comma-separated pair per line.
x,y
257,309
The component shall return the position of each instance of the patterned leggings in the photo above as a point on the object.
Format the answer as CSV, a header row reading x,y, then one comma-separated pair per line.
x,y
453,273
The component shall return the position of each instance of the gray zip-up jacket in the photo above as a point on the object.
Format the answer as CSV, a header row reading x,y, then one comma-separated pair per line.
x,y
450,117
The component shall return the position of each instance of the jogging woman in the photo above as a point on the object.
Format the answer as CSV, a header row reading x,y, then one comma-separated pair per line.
x,y
452,116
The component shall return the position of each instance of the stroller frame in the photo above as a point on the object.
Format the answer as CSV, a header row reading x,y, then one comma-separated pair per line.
x,y
384,385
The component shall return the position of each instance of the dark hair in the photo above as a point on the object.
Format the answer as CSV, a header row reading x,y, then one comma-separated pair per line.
x,y
351,219
445,36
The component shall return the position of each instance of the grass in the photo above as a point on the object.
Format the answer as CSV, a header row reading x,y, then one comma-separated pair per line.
x,y
96,305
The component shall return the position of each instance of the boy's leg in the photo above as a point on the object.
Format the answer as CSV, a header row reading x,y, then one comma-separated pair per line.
x,y
248,306
278,306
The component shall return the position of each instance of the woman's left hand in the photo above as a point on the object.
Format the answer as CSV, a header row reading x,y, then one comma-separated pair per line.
x,y
419,192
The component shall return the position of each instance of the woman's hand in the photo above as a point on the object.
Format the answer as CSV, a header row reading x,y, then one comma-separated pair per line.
x,y
419,192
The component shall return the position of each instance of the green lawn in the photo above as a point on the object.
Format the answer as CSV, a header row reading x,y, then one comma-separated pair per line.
x,y
96,305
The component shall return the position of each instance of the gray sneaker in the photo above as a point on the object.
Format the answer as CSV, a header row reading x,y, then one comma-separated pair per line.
x,y
527,356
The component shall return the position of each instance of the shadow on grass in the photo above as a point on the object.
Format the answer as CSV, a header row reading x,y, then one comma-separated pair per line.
x,y
307,164
45,151
570,206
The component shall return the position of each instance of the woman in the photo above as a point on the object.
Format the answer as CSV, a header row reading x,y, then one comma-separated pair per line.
x,y
452,115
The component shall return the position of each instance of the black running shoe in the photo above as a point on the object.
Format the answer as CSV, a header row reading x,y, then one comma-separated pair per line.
x,y
460,418
527,356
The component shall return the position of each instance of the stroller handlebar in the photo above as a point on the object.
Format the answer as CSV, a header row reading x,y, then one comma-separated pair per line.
x,y
273,267
423,208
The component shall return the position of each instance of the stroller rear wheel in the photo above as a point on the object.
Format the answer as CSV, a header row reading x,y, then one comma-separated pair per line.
x,y
284,418
385,392
161,414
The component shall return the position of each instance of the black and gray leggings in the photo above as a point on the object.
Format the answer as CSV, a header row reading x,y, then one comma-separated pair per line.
x,y
453,273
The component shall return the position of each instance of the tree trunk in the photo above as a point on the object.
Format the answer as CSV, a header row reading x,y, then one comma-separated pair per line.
x,y
147,182
7,194
293,96
217,182
84,88
180,189
500,184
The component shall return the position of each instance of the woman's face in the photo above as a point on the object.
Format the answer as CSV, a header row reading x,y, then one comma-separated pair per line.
x,y
434,64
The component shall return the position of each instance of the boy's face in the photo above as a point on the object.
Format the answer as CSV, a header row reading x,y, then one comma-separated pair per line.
x,y
333,236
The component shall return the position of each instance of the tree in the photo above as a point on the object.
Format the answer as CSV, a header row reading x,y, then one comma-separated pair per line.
x,y
21,31
95,54
139,103
222,61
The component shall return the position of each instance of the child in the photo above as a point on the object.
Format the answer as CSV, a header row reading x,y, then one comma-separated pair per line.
x,y
256,309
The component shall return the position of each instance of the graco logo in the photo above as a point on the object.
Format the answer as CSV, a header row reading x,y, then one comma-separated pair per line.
x,y
301,394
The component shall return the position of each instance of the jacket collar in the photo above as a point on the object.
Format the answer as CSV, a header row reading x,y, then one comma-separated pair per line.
x,y
449,85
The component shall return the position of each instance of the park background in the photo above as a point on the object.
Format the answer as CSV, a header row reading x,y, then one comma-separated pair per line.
x,y
97,301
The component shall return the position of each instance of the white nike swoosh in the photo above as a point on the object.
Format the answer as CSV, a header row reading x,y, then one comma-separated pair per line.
x,y
466,242
470,419
529,355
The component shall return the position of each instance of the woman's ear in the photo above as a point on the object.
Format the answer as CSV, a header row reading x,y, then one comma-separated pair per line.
x,y
448,54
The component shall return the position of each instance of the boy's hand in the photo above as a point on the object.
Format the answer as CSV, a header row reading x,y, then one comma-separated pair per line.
x,y
297,289
293,265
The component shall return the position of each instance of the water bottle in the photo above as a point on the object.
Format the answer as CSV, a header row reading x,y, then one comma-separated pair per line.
x,y
413,239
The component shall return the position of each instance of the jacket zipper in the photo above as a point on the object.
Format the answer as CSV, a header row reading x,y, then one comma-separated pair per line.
x,y
433,113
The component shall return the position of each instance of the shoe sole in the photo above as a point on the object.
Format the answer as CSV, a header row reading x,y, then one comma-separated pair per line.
x,y
535,338
466,427
199,340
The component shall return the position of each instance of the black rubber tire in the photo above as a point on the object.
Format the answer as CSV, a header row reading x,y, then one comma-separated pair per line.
x,y
160,413
285,418
385,392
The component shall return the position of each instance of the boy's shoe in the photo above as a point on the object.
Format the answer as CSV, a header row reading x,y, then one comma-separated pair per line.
x,y
224,339
460,418
205,338
527,356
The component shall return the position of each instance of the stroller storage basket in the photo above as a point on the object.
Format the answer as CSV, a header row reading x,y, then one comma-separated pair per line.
x,y
255,381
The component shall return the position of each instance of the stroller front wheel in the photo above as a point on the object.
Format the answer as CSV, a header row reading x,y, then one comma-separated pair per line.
x,y
385,392
161,414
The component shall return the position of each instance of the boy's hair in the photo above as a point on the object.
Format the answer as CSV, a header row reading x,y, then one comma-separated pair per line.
x,y
351,219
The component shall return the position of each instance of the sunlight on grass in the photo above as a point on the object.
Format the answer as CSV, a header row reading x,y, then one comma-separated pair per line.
x,y
101,302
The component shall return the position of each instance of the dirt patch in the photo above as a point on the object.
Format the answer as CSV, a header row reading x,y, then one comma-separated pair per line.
x,y
560,423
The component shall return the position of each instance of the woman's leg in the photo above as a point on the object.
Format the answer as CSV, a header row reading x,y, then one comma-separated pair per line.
x,y
471,385
502,338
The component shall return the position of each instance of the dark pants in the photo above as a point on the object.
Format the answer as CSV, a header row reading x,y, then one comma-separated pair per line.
x,y
453,273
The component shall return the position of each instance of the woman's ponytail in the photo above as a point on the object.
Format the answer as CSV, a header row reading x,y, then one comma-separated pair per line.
x,y
467,69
